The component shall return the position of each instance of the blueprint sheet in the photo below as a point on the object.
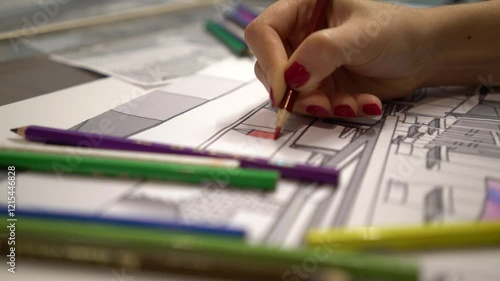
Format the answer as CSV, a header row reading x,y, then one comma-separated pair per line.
x,y
431,158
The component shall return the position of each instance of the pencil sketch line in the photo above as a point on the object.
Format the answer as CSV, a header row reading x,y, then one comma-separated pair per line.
x,y
217,135
123,196
133,115
76,128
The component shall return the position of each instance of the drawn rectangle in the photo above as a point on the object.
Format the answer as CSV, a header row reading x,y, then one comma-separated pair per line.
x,y
397,192
116,124
429,110
326,136
159,105
201,86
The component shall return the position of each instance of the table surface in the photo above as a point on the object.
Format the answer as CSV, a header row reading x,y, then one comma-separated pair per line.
x,y
25,68
27,72
33,76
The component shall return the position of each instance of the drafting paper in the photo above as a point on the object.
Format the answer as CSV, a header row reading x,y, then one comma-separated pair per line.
x,y
432,158
410,167
150,59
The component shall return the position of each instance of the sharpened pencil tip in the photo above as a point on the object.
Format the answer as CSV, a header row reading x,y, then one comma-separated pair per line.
x,y
277,133
14,130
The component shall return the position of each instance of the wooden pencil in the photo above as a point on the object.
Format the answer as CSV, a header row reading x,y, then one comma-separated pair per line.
x,y
288,101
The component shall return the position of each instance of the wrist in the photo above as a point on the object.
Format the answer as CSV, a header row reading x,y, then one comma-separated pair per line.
x,y
460,43
424,47
430,47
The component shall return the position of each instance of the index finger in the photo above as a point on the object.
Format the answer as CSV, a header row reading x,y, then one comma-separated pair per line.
x,y
266,36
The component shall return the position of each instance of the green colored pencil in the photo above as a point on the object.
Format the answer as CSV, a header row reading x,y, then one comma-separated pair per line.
x,y
125,168
236,45
205,253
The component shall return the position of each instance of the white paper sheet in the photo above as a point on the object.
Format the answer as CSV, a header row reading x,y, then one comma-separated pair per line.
x,y
416,165
150,59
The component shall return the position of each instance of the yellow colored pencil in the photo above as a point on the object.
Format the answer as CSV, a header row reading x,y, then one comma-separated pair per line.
x,y
394,238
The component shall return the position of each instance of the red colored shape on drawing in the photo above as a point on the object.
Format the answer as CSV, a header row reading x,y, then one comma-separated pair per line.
x,y
261,134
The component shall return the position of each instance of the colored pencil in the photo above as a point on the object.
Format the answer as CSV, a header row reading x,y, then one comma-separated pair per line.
x,y
107,18
203,253
228,38
234,18
126,155
325,175
238,19
129,261
394,238
245,13
102,166
287,103
234,28
174,226
241,16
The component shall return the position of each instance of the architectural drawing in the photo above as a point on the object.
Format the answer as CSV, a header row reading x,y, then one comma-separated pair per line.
x,y
431,158
161,104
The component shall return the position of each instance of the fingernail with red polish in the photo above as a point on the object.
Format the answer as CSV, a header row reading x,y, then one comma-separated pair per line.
x,y
296,75
343,111
271,96
317,111
371,109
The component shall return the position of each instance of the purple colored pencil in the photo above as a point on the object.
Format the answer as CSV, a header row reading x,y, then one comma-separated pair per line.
x,y
241,16
245,16
246,12
234,18
326,175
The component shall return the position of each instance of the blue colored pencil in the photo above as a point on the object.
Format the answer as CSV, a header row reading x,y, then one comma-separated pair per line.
x,y
132,222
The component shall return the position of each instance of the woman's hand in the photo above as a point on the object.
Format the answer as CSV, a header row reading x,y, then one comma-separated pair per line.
x,y
365,52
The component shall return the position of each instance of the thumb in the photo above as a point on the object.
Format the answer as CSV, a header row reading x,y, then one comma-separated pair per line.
x,y
317,57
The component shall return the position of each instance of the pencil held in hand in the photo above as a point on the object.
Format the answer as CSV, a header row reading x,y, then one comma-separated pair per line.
x,y
285,110
286,106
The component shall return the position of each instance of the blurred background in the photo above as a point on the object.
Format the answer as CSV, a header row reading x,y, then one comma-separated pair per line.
x,y
34,31
27,15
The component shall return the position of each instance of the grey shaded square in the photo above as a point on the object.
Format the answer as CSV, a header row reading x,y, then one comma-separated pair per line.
x,y
115,124
201,86
485,110
159,105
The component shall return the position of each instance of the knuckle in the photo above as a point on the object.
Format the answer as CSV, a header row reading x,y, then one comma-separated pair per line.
x,y
259,73
321,40
252,30
324,46
256,69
